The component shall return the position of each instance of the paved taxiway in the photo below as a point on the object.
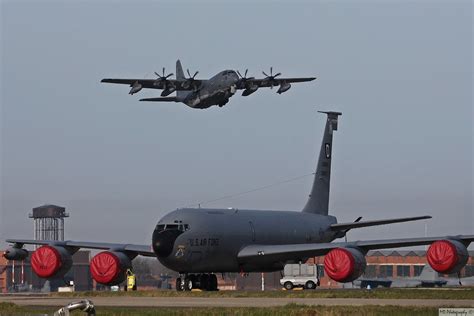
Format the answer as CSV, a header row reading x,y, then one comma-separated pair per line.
x,y
130,301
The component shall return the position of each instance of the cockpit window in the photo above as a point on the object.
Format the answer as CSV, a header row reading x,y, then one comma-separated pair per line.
x,y
160,227
180,227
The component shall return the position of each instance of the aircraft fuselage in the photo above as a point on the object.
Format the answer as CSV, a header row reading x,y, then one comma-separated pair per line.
x,y
215,91
219,234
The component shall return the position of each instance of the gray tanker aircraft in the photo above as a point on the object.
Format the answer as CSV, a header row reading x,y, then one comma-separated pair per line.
x,y
201,94
199,242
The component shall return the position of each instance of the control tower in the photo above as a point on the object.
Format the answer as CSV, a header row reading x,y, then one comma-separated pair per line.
x,y
49,222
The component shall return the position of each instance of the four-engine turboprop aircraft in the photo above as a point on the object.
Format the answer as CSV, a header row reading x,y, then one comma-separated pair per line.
x,y
198,243
201,94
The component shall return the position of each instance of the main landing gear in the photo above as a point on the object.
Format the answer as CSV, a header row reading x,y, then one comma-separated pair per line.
x,y
205,282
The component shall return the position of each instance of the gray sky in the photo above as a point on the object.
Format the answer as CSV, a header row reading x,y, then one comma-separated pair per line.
x,y
401,73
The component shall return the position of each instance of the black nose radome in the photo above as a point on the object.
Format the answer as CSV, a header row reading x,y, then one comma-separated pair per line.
x,y
163,241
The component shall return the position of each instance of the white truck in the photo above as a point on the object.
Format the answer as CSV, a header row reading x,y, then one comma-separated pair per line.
x,y
300,275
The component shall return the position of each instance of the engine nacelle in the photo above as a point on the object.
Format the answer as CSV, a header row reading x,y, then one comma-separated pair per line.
x,y
344,264
168,91
109,267
447,256
15,253
136,87
249,90
48,261
283,88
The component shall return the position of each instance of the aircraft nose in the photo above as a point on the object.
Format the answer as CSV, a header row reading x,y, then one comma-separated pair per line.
x,y
163,241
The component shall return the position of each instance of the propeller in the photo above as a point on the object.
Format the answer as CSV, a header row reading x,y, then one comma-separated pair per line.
x,y
271,77
163,77
190,80
244,78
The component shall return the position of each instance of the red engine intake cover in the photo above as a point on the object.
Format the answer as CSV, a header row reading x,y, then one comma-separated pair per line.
x,y
447,256
46,261
344,265
109,268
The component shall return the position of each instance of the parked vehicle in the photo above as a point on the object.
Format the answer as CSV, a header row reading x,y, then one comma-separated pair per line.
x,y
300,275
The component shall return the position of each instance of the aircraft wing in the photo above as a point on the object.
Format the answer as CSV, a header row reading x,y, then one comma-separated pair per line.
x,y
359,224
302,251
157,84
143,250
263,83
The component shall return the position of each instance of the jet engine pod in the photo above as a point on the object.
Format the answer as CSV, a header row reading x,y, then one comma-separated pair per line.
x,y
344,264
447,256
15,253
48,261
109,267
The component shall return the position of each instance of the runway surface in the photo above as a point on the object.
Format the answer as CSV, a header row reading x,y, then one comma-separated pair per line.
x,y
228,302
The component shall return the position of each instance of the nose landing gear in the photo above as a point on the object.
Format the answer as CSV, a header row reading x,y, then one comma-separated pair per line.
x,y
202,281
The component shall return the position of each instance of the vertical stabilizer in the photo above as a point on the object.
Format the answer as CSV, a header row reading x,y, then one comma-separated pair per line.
x,y
180,95
318,202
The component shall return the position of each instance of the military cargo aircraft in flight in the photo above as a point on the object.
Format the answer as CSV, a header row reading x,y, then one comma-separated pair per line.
x,y
201,94
200,242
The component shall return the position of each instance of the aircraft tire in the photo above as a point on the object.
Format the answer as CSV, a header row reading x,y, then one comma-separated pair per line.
x,y
310,285
189,283
212,282
204,282
179,286
288,285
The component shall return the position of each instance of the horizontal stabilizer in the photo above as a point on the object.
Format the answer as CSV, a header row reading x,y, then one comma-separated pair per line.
x,y
162,99
347,226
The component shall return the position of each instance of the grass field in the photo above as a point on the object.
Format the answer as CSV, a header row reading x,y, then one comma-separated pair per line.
x,y
439,293
290,309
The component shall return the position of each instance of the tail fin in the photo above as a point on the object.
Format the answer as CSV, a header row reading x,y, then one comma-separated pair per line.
x,y
318,202
180,95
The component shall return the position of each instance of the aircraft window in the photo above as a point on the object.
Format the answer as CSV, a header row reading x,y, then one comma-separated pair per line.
x,y
181,227
160,227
